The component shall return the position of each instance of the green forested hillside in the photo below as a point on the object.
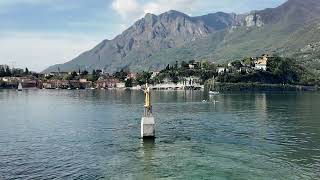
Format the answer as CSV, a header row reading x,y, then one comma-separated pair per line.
x,y
301,43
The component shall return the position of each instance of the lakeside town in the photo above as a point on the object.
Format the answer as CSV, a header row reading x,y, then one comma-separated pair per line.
x,y
266,69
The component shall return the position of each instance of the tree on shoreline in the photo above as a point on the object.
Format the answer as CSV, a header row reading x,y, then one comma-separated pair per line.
x,y
2,72
143,78
129,82
26,71
8,71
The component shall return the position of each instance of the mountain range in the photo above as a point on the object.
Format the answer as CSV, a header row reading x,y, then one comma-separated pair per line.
x,y
291,30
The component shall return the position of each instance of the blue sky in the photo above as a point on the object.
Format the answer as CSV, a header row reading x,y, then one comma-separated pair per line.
x,y
39,33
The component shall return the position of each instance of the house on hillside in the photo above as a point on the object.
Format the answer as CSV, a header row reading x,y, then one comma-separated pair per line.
x,y
191,81
245,70
154,74
132,76
55,74
222,70
194,65
261,62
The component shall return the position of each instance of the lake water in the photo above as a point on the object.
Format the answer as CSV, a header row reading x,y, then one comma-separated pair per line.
x,y
47,134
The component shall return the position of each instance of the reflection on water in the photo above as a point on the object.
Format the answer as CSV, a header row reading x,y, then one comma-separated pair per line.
x,y
95,134
148,154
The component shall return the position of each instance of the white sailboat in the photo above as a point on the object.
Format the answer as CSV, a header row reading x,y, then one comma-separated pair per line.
x,y
20,87
212,92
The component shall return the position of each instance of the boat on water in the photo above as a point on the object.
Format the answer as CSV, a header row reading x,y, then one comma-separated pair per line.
x,y
212,87
20,87
214,92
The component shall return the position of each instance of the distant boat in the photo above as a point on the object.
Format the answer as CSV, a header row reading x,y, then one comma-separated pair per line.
x,y
20,87
214,92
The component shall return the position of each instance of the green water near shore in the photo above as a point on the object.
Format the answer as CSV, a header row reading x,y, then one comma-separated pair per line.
x,y
86,134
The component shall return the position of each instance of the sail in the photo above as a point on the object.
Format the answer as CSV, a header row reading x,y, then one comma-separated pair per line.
x,y
20,86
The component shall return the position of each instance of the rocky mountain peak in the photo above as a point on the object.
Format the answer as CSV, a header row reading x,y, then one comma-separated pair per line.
x,y
253,19
141,43
150,17
174,14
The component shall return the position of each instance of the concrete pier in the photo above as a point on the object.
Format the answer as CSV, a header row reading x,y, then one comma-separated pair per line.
x,y
147,127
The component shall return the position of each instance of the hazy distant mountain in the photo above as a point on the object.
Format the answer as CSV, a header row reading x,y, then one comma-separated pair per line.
x,y
154,41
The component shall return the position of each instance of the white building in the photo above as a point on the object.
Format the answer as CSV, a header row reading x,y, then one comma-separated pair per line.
x,y
190,81
222,70
154,74
120,85
83,80
261,63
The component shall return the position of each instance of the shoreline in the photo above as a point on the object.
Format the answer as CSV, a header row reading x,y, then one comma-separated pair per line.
x,y
262,87
222,87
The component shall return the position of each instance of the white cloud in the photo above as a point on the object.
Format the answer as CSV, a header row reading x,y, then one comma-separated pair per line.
x,y
132,9
127,8
39,50
160,6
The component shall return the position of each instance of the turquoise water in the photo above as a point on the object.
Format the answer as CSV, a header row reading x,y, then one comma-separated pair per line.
x,y
47,134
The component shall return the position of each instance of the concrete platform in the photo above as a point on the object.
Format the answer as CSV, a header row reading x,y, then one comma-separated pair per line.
x,y
147,127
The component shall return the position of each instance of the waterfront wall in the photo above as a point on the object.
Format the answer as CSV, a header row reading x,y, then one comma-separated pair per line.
x,y
259,87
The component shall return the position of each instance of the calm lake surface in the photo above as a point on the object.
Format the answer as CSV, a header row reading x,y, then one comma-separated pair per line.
x,y
47,134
